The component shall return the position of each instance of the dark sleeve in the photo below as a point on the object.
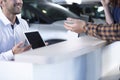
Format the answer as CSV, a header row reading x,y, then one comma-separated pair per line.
x,y
106,32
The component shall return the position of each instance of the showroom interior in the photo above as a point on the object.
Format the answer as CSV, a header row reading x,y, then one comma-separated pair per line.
x,y
64,55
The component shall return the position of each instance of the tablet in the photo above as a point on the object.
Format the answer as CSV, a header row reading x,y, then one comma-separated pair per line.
x,y
34,39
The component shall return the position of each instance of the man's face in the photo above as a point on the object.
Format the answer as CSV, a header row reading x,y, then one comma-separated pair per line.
x,y
13,6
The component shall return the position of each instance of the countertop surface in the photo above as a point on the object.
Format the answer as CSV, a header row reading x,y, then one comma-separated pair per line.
x,y
61,51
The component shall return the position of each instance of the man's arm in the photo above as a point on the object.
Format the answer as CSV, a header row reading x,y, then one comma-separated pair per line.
x,y
9,55
6,56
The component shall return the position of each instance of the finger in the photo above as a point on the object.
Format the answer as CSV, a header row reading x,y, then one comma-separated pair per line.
x,y
27,48
19,44
69,19
67,26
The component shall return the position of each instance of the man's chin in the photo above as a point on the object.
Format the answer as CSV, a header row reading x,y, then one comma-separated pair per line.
x,y
18,12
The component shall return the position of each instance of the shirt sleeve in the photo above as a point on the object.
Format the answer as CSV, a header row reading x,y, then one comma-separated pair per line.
x,y
106,32
7,56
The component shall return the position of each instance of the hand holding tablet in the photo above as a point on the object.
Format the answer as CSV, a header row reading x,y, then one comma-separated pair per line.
x,y
34,39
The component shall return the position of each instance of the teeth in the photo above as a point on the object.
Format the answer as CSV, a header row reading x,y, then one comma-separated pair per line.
x,y
19,6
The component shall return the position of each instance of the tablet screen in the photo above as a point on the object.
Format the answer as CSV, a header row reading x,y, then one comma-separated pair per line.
x,y
35,39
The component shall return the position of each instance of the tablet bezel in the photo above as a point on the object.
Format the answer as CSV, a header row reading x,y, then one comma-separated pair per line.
x,y
34,40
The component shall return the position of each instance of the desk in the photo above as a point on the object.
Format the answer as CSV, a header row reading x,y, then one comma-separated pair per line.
x,y
61,51
61,61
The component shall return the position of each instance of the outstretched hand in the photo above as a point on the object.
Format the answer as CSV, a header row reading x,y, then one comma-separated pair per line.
x,y
74,25
18,49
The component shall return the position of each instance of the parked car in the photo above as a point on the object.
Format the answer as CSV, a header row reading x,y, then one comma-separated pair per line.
x,y
48,18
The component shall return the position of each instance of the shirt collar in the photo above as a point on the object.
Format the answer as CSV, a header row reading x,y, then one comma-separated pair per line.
x,y
17,21
4,19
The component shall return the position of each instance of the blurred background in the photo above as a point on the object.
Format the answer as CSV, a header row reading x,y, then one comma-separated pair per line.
x,y
48,16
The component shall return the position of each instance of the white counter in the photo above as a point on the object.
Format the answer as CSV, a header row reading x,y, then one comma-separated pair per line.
x,y
76,59
61,51
111,62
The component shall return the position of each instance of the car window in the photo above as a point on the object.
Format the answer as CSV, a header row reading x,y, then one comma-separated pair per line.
x,y
45,13
55,12
31,16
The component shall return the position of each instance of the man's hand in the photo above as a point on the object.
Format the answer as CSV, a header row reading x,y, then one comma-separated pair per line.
x,y
75,25
18,49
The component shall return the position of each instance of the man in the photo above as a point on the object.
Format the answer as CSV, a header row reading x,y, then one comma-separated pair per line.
x,y
106,32
11,29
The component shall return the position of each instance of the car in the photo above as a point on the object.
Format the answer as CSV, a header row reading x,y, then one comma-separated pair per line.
x,y
48,18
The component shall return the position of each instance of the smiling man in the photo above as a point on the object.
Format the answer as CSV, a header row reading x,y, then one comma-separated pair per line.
x,y
12,39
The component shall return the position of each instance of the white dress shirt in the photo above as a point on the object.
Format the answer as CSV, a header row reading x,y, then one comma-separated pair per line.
x,y
9,37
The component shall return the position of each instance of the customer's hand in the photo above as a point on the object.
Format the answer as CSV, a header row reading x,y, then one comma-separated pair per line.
x,y
74,25
18,49
105,2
